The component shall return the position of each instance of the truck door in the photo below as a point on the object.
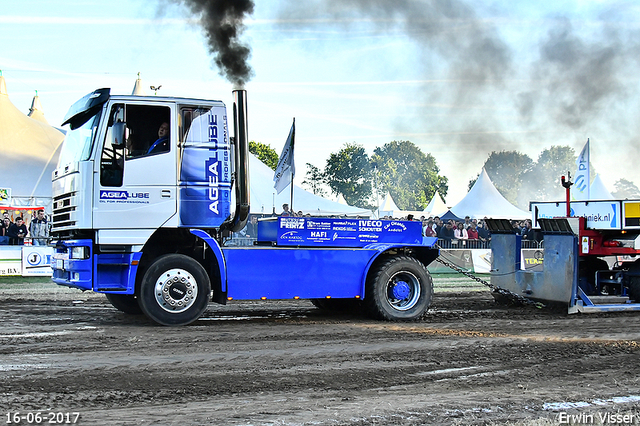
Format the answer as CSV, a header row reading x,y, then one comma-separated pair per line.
x,y
135,181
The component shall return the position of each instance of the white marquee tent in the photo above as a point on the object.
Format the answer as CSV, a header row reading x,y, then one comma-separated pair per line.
x,y
264,199
597,190
29,147
484,200
388,207
436,206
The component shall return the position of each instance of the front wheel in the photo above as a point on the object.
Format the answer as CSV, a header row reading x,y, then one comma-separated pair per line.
x,y
127,303
398,289
175,290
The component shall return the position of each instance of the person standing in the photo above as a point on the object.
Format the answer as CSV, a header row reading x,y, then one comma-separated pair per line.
x,y
445,235
39,229
17,232
285,210
4,230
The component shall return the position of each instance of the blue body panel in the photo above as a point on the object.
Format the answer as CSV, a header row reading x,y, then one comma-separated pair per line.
x,y
205,172
256,272
286,273
76,273
104,273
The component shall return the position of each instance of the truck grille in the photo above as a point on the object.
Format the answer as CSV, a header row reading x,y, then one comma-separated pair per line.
x,y
62,211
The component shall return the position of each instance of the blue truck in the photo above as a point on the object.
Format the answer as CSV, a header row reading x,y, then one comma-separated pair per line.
x,y
148,192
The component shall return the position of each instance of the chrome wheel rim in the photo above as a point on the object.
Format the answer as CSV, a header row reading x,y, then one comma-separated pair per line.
x,y
176,290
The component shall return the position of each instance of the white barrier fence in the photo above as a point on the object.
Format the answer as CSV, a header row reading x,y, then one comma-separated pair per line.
x,y
25,260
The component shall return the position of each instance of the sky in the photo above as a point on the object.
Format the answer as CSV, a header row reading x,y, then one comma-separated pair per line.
x,y
458,78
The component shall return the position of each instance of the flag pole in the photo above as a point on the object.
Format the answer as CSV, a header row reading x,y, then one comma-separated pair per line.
x,y
293,142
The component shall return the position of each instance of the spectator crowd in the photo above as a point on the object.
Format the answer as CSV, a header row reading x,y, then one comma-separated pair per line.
x,y
15,231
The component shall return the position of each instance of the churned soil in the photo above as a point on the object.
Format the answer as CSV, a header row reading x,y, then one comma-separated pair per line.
x,y
469,361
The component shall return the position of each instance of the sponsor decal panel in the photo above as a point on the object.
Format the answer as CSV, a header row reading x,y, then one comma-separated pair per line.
x,y
340,232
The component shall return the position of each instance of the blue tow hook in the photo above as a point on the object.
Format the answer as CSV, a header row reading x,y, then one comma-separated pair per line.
x,y
401,290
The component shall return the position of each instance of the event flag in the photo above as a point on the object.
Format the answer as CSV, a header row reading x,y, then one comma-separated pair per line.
x,y
582,181
286,168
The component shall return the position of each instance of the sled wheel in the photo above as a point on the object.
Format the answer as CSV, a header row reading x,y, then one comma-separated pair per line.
x,y
127,303
634,281
398,289
175,290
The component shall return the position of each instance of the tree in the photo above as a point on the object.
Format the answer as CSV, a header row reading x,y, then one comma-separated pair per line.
x,y
265,153
348,172
408,174
542,183
315,180
506,170
625,189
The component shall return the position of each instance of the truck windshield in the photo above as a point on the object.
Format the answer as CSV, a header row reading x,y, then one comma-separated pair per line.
x,y
79,142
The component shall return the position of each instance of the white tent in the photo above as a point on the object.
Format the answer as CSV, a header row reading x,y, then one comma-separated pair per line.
x,y
264,199
597,190
29,149
137,88
436,206
388,207
484,200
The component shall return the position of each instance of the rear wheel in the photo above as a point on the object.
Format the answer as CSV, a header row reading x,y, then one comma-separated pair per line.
x,y
127,303
175,290
634,281
398,289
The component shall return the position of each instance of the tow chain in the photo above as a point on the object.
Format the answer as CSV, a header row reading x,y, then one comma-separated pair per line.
x,y
515,297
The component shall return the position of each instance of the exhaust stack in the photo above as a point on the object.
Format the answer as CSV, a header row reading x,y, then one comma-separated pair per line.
x,y
241,214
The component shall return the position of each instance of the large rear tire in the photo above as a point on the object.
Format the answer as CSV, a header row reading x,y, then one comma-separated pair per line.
x,y
127,303
398,289
175,290
633,281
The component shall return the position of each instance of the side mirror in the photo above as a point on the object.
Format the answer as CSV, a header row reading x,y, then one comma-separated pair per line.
x,y
118,134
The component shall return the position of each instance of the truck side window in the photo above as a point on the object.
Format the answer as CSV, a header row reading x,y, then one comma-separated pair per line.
x,y
149,130
112,158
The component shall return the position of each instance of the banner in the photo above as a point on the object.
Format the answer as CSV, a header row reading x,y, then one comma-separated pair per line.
x,y
36,260
5,196
286,168
582,181
10,260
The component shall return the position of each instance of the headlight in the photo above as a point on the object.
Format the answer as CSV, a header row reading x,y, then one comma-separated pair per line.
x,y
80,252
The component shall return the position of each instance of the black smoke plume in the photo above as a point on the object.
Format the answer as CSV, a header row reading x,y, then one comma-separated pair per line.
x,y
222,22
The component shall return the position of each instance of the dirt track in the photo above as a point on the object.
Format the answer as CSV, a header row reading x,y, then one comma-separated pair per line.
x,y
287,363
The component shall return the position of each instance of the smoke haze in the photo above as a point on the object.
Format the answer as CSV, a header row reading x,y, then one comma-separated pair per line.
x,y
562,79
566,77
222,22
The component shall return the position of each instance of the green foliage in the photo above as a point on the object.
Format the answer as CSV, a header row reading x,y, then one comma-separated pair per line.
x,y
408,174
348,172
543,182
506,170
315,180
265,153
625,189
521,180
